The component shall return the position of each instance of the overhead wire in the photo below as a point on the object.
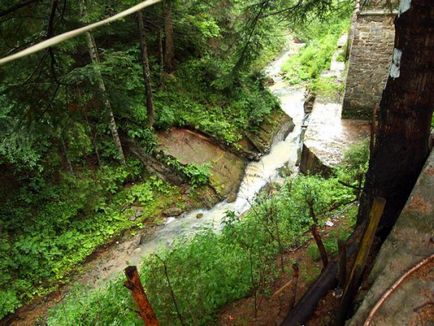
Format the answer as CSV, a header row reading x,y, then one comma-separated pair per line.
x,y
71,34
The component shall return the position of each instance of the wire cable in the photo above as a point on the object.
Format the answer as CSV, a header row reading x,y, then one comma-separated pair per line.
x,y
71,34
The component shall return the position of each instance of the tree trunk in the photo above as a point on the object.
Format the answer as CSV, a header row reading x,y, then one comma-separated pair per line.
x,y
65,154
402,141
93,52
169,39
161,50
146,71
322,250
133,283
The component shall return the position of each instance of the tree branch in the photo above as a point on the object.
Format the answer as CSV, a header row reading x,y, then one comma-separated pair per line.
x,y
16,7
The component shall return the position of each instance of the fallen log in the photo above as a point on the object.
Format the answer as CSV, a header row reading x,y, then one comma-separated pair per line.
x,y
307,304
359,267
328,280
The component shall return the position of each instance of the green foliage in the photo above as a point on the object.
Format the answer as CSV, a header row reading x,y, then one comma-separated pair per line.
x,y
194,98
321,38
78,215
197,175
327,87
212,269
353,169
53,115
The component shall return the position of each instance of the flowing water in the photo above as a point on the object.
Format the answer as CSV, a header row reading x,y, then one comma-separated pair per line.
x,y
284,152
258,174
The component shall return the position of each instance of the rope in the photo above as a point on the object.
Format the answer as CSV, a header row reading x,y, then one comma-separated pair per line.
x,y
71,34
395,285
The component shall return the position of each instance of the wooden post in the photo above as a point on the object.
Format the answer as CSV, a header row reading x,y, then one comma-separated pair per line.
x,y
135,286
361,259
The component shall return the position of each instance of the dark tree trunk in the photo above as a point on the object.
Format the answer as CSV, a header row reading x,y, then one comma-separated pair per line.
x,y
402,140
146,71
320,245
169,38
161,50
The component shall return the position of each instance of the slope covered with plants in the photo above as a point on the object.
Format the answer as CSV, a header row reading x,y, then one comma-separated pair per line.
x,y
69,180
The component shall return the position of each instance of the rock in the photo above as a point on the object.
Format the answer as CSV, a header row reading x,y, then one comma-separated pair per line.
x,y
170,220
200,215
269,81
191,147
329,223
142,239
308,102
137,212
173,211
232,197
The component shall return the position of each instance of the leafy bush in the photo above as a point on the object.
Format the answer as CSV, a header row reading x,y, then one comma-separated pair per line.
x,y
193,98
353,169
327,87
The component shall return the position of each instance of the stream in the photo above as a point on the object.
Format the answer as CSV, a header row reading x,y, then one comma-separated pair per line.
x,y
108,264
284,152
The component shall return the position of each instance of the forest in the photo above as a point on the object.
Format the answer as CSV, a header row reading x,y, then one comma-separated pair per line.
x,y
176,139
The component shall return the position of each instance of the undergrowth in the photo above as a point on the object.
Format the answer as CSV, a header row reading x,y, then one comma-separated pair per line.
x,y
321,38
212,269
61,225
189,100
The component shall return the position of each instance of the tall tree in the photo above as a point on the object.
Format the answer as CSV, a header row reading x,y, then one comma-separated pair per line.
x,y
94,56
402,140
93,52
146,71
169,56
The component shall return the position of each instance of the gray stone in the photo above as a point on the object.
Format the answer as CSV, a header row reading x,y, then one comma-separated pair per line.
x,y
173,211
137,212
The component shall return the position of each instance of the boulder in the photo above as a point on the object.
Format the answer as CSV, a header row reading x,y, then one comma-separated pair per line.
x,y
173,211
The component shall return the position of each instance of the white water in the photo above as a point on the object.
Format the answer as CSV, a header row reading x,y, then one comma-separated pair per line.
x,y
257,174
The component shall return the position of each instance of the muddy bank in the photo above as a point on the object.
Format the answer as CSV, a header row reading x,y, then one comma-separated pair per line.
x,y
227,169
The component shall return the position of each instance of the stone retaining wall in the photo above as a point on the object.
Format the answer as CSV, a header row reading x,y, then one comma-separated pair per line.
x,y
371,51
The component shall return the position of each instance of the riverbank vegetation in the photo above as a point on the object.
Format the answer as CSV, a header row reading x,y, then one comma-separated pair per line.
x,y
320,38
69,179
212,269
191,281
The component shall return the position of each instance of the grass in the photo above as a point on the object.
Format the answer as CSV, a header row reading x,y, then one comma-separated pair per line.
x,y
321,41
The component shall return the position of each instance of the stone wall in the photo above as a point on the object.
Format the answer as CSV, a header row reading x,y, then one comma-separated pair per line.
x,y
371,51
